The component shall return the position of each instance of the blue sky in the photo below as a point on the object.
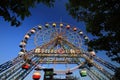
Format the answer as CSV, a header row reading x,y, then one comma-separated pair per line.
x,y
10,37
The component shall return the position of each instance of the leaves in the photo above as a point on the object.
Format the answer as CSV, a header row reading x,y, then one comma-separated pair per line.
x,y
15,11
102,18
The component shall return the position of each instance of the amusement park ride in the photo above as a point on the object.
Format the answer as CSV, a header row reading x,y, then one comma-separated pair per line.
x,y
56,43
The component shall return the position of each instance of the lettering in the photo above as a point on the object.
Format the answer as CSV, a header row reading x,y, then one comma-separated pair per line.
x,y
71,51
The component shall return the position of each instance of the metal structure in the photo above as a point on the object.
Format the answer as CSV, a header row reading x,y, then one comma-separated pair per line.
x,y
56,43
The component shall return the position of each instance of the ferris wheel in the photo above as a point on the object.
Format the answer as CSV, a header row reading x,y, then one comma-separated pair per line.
x,y
58,37
52,45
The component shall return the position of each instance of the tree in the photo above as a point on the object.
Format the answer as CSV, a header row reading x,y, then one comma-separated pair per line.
x,y
14,11
102,19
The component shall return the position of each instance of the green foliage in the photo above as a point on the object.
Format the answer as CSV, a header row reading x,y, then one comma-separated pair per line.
x,y
102,18
14,11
